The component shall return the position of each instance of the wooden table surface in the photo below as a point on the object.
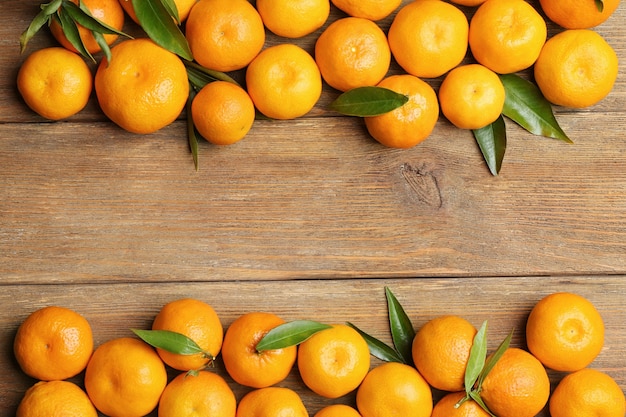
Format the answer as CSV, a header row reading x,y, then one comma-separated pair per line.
x,y
308,219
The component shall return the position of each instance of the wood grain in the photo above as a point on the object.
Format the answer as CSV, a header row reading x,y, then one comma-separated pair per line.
x,y
308,218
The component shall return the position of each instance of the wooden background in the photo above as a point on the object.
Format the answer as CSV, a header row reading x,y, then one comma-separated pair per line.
x,y
308,219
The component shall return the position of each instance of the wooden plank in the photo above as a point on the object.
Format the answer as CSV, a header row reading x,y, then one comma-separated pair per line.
x,y
113,309
300,199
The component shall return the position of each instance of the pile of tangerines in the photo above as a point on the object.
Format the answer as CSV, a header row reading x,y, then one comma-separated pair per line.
x,y
128,376
143,87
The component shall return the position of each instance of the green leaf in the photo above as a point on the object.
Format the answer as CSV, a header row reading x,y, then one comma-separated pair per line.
x,y
478,355
368,101
191,130
600,5
402,332
70,30
173,342
159,24
494,359
42,18
82,16
476,397
170,6
290,334
378,348
200,76
492,142
525,105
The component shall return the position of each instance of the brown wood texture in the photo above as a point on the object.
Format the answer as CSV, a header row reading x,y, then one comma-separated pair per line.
x,y
308,218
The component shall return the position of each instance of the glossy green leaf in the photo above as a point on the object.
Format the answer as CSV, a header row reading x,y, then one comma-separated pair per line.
x,y
494,359
170,6
600,5
160,26
200,76
290,334
173,342
378,348
492,142
42,18
402,332
474,395
191,130
368,101
478,355
82,16
70,30
525,105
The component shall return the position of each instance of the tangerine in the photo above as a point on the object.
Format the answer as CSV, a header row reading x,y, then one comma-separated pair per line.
x,y
352,52
55,83
565,331
411,123
506,36
55,399
107,11
198,321
441,350
394,389
368,9
517,386
284,82
244,363
578,14
144,88
337,410
125,378
471,96
202,394
53,343
429,37
293,18
447,407
587,392
576,68
333,362
271,402
224,35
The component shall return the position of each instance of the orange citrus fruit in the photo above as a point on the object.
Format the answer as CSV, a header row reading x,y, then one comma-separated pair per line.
x,y
144,88
293,18
565,331
55,399
107,11
53,343
428,37
576,68
471,96
337,410
441,349
202,394
244,363
587,392
394,389
222,112
55,83
183,7
446,407
284,82
506,36
352,52
271,402
411,123
224,35
578,14
517,386
368,9
198,321
125,378
333,362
